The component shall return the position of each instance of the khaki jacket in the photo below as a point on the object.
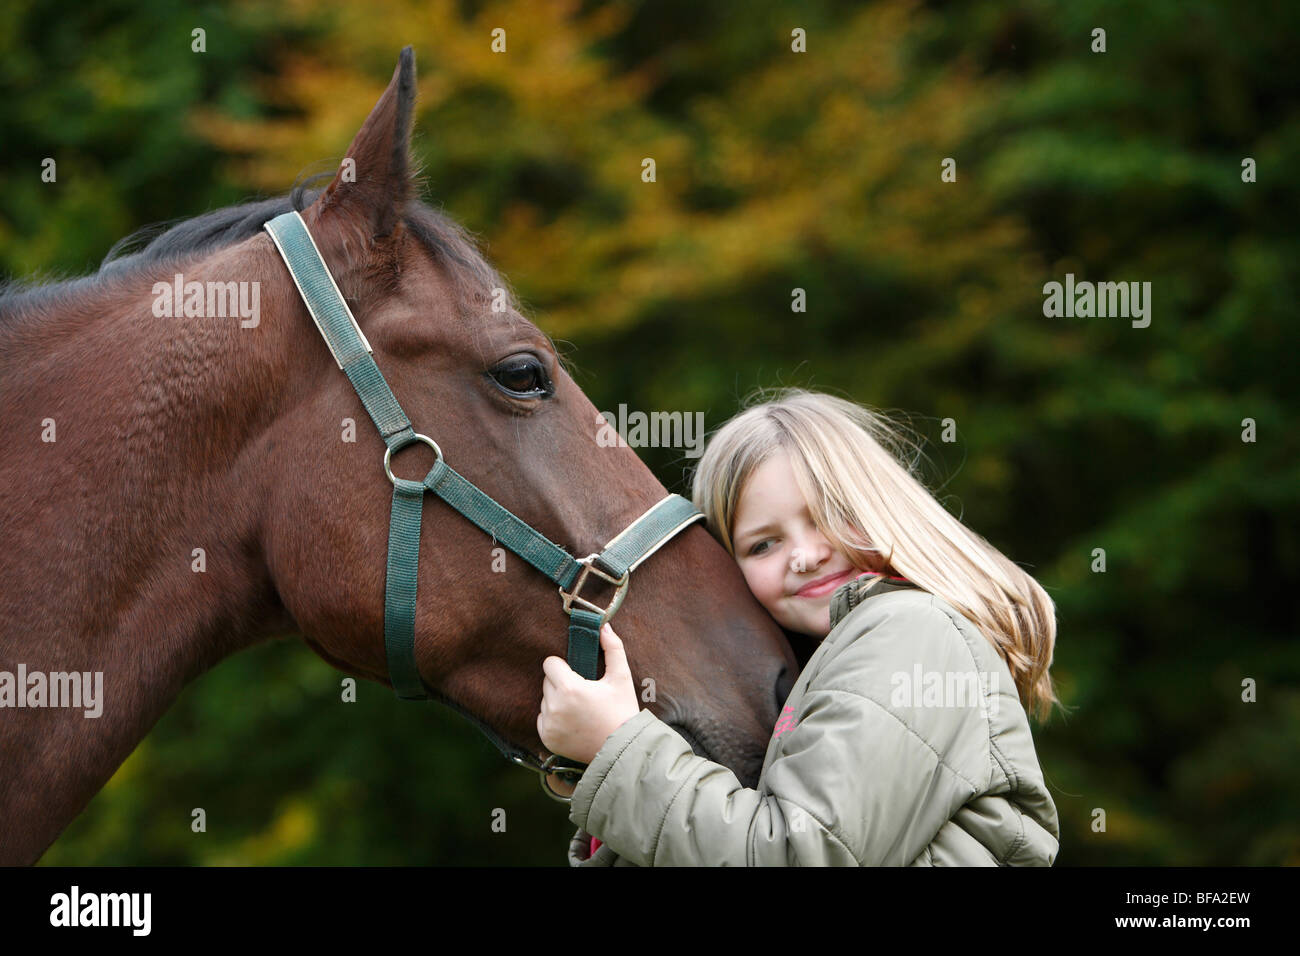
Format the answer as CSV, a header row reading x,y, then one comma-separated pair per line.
x,y
903,743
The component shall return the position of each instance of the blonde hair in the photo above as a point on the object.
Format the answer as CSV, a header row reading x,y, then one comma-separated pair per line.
x,y
851,463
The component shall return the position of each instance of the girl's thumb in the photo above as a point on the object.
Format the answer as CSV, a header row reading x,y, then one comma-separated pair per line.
x,y
613,645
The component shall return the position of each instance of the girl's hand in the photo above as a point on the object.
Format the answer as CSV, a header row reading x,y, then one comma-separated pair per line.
x,y
578,714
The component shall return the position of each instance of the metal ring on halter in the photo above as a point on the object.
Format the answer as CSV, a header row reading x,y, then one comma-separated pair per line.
x,y
388,453
557,797
543,769
548,767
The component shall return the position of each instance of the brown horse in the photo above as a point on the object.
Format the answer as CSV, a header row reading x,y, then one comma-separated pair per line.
x,y
179,488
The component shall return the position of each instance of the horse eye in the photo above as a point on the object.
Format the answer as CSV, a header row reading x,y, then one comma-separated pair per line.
x,y
522,376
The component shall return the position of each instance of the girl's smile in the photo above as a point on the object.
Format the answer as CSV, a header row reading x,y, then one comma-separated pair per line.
x,y
825,585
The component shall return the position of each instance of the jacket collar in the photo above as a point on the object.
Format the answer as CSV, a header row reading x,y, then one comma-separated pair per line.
x,y
867,585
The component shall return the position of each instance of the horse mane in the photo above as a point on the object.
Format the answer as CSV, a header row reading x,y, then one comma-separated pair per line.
x,y
180,239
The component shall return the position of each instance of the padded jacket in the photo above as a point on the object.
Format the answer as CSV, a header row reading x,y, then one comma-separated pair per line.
x,y
903,742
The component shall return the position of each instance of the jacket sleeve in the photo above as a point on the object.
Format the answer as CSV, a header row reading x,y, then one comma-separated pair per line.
x,y
861,779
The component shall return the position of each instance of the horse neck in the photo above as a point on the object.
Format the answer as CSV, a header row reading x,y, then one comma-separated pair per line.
x,y
132,539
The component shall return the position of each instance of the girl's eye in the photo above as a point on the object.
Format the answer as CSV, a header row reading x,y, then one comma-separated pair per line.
x,y
754,550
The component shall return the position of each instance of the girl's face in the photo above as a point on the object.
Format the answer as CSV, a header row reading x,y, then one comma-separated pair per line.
x,y
781,552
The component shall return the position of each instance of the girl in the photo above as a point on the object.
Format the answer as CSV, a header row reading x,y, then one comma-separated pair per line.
x,y
905,740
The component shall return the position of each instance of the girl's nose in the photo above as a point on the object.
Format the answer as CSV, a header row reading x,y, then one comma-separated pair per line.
x,y
810,553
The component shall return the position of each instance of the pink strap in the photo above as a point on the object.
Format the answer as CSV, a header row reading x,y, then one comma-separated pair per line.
x,y
879,575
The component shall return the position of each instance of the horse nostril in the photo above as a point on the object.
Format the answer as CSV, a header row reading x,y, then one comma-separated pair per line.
x,y
784,682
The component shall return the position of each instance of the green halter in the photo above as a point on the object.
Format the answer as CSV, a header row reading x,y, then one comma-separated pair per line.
x,y
614,563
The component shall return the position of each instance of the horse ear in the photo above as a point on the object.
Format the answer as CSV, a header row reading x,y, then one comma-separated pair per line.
x,y
375,179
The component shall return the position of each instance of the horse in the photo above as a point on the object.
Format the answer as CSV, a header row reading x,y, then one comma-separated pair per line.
x,y
179,488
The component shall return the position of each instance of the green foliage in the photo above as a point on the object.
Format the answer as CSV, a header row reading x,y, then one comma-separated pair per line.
x,y
775,170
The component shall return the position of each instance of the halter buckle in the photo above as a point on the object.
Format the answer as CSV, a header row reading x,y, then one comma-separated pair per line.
x,y
589,567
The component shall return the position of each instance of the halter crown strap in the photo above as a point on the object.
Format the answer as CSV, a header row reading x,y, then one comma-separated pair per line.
x,y
338,326
615,562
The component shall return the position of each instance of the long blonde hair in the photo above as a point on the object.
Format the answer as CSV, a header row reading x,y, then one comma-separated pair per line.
x,y
852,465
